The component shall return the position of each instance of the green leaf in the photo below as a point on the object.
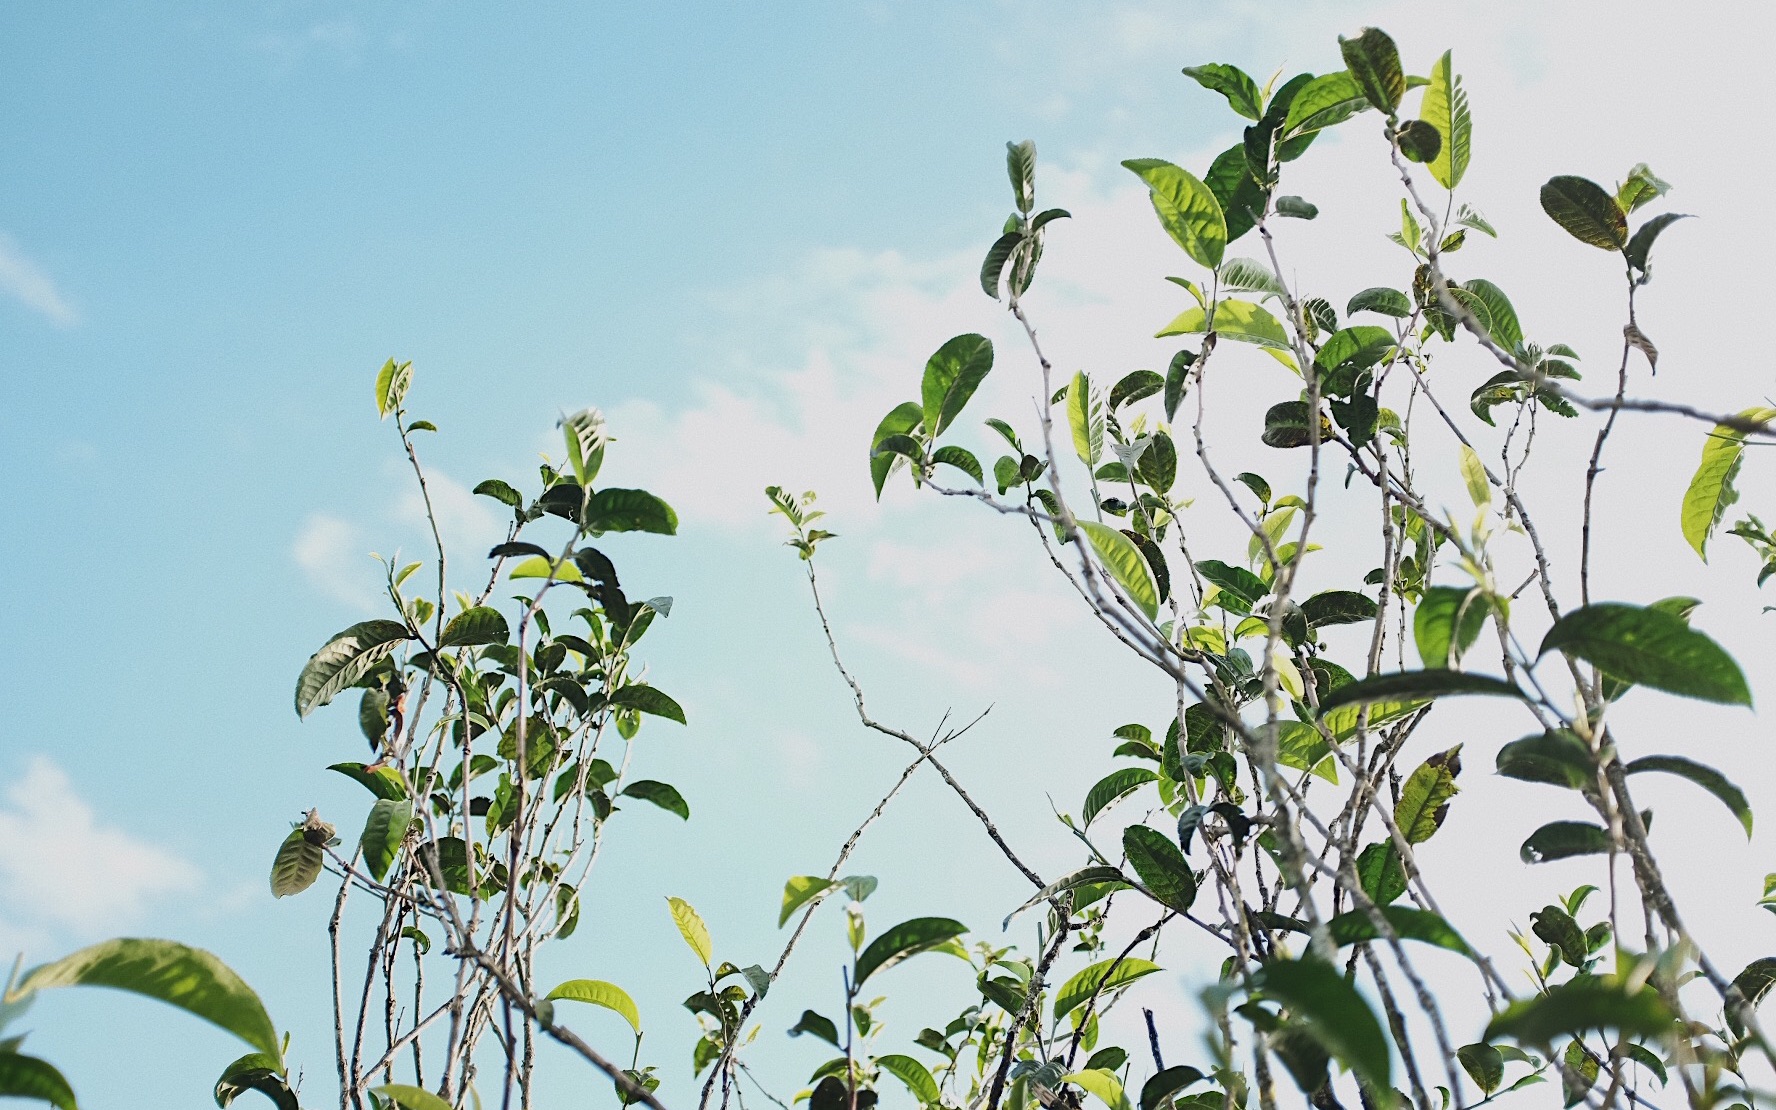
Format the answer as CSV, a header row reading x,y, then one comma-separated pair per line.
x,y
1286,425
1111,789
384,830
1187,209
1649,647
1379,298
1562,840
1419,141
1235,191
1323,102
648,699
1163,1085
1578,1006
1357,348
1085,419
914,1074
1126,565
28,1077
909,938
1557,758
1333,1013
1239,581
819,1026
499,491
1300,745
661,794
1641,186
1642,1056
1484,1064
1706,777
480,625
189,978
1296,208
1445,107
1496,312
952,374
1374,63
799,891
1230,81
1434,683
1381,873
1101,1084
345,659
384,781
1754,983
992,269
1238,320
373,716
1447,622
691,928
1135,385
1098,875
1161,866
297,864
449,856
599,993
629,510
1248,275
1711,488
901,420
1556,926
1098,978
1641,245
539,567
1355,927
1586,212
1338,607
1424,800
255,1071
586,438
960,458
411,1098
1020,166
391,386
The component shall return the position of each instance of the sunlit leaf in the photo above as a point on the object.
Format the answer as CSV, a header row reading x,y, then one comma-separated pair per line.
x,y
345,659
1187,209
909,938
1583,1004
1649,647
1586,212
1332,1012
691,928
1445,107
480,625
1099,978
1711,487
1113,788
384,830
952,375
1126,565
597,992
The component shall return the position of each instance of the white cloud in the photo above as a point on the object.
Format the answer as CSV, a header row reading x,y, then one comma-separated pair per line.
x,y
64,874
332,555
26,282
467,523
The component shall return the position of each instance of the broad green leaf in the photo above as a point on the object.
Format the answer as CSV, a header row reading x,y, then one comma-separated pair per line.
x,y
962,459
917,1078
1447,622
1286,425
1484,1064
1445,107
391,386
1578,1006
952,375
499,491
1111,789
1586,212
821,1027
1163,1085
1239,581
1020,166
373,716
1358,347
901,420
1126,565
586,438
384,830
411,1098
1374,63
255,1071
597,992
1085,419
480,625
1494,310
1424,799
1355,927
539,567
799,891
1562,840
1333,1013
629,510
449,857
1706,777
909,938
1556,926
1300,745
1433,683
1101,1084
1240,320
345,659
1641,245
1753,984
1135,385
298,862
662,794
1187,209
1381,872
648,699
691,928
1649,647
1711,487
1557,758
1379,298
28,1077
1421,142
1248,275
1232,82
1238,194
1338,607
1099,978
189,978
382,781
1087,876
1323,102
1341,720
1161,866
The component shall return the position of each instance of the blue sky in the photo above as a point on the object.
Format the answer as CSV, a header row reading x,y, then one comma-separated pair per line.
x,y
739,229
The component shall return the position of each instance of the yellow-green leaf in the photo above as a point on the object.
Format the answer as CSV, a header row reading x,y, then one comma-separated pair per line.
x,y
1126,565
1241,320
1711,488
1445,107
597,992
691,928
1085,419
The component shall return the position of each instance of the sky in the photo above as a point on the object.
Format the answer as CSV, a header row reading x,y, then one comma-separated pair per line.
x,y
740,230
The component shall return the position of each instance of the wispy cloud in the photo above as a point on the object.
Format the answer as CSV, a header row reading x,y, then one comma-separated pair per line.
x,y
65,874
332,554
22,279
